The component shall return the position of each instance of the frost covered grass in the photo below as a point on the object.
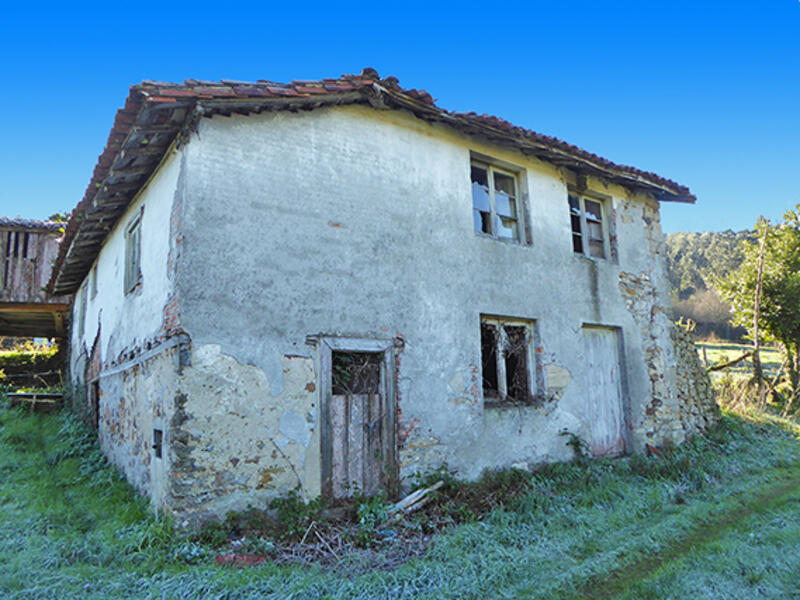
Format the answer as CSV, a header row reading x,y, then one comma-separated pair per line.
x,y
718,517
722,352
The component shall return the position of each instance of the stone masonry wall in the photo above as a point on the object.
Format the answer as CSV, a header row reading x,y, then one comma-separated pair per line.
x,y
698,409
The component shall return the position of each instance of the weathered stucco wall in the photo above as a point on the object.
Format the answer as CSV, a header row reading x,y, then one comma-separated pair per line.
x,y
351,221
116,338
238,444
126,321
135,401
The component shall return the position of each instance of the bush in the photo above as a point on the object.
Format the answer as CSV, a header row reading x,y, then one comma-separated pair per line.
x,y
295,515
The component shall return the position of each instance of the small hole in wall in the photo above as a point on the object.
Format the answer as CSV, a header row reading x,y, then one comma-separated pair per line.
x,y
158,439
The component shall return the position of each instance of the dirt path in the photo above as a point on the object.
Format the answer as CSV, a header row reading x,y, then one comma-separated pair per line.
x,y
618,581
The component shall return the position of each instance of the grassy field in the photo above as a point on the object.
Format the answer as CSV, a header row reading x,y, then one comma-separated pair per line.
x,y
716,353
718,517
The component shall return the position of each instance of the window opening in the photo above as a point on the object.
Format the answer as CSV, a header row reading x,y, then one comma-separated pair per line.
x,y
133,272
489,359
6,260
355,373
516,363
575,219
588,232
494,202
505,360
158,442
25,241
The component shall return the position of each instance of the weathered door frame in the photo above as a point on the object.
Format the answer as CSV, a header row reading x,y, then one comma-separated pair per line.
x,y
627,438
326,345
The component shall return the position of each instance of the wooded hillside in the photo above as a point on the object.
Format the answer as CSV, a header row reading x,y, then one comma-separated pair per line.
x,y
692,259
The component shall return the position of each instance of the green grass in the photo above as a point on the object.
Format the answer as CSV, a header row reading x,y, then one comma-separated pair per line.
x,y
719,353
28,353
718,517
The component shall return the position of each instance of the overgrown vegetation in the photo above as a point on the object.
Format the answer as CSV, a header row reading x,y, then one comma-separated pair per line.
x,y
749,280
72,528
26,363
764,293
27,353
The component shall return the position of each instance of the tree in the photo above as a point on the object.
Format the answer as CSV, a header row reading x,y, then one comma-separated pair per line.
x,y
59,217
779,313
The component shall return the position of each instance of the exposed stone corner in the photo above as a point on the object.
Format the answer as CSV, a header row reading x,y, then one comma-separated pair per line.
x,y
698,409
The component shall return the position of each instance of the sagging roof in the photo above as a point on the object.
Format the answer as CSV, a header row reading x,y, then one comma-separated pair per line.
x,y
155,113
29,224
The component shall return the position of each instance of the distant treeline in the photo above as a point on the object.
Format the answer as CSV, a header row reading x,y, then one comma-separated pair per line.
x,y
692,260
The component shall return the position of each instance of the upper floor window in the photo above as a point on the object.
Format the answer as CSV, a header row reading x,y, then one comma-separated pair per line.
x,y
495,202
589,233
133,253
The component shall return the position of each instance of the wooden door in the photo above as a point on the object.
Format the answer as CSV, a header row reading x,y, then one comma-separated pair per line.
x,y
357,423
357,437
605,390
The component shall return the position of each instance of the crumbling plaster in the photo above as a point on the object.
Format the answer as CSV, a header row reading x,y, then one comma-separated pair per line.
x,y
242,445
130,320
351,221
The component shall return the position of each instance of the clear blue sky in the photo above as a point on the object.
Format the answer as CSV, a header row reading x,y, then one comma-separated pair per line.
x,y
705,93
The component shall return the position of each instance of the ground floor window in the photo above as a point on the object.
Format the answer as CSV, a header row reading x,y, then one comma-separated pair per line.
x,y
507,365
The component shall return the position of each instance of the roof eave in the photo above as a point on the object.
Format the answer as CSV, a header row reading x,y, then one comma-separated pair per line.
x,y
156,114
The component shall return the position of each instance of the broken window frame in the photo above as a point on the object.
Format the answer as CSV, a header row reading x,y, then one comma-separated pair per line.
x,y
501,396
520,220
133,253
585,220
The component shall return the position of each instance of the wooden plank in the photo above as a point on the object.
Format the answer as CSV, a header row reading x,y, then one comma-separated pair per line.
x,y
324,383
604,385
12,307
338,407
389,470
58,323
356,442
373,459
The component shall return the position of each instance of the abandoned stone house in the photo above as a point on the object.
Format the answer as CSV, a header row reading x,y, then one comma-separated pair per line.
x,y
335,284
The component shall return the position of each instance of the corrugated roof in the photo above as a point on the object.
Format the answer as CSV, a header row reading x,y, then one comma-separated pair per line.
x,y
156,112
